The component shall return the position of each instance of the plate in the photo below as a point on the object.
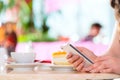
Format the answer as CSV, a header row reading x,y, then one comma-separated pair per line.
x,y
62,67
22,66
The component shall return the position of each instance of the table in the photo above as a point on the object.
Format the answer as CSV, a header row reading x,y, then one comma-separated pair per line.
x,y
56,75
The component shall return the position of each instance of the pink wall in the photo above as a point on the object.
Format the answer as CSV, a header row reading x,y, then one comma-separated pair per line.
x,y
44,50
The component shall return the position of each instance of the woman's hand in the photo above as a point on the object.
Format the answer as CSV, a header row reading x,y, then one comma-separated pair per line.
x,y
77,61
105,64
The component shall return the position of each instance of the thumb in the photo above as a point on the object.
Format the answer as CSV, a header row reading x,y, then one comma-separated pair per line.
x,y
101,58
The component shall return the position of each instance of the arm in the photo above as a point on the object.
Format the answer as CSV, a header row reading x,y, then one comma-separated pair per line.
x,y
115,46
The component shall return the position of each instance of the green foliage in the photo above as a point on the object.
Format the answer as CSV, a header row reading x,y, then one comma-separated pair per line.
x,y
35,37
1,6
25,15
27,23
10,4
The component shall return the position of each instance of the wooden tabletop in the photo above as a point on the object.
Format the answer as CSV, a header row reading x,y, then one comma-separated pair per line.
x,y
55,75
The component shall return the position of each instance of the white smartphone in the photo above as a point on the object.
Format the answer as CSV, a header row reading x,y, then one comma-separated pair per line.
x,y
69,48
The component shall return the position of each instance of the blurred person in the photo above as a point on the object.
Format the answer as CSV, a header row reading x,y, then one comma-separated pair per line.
x,y
63,38
10,38
108,63
94,31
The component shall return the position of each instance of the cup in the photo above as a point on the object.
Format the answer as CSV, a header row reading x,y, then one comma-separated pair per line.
x,y
21,57
3,60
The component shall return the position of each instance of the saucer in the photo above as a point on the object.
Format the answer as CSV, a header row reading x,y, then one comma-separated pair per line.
x,y
22,66
62,67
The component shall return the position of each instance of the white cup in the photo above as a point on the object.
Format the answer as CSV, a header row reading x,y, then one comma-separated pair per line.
x,y
21,57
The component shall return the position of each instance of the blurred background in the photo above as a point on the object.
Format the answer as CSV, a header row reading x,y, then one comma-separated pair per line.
x,y
56,20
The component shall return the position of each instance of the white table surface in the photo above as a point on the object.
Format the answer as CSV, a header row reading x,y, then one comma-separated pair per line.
x,y
55,75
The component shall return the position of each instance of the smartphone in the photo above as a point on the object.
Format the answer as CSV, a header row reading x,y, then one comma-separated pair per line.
x,y
69,48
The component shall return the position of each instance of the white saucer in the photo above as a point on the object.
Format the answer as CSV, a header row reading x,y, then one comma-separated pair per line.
x,y
62,67
22,66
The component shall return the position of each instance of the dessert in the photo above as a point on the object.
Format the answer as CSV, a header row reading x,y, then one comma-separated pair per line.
x,y
59,58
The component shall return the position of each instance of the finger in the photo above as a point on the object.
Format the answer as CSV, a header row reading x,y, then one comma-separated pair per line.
x,y
98,59
92,67
98,69
88,68
78,62
73,58
80,67
106,71
101,58
69,55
